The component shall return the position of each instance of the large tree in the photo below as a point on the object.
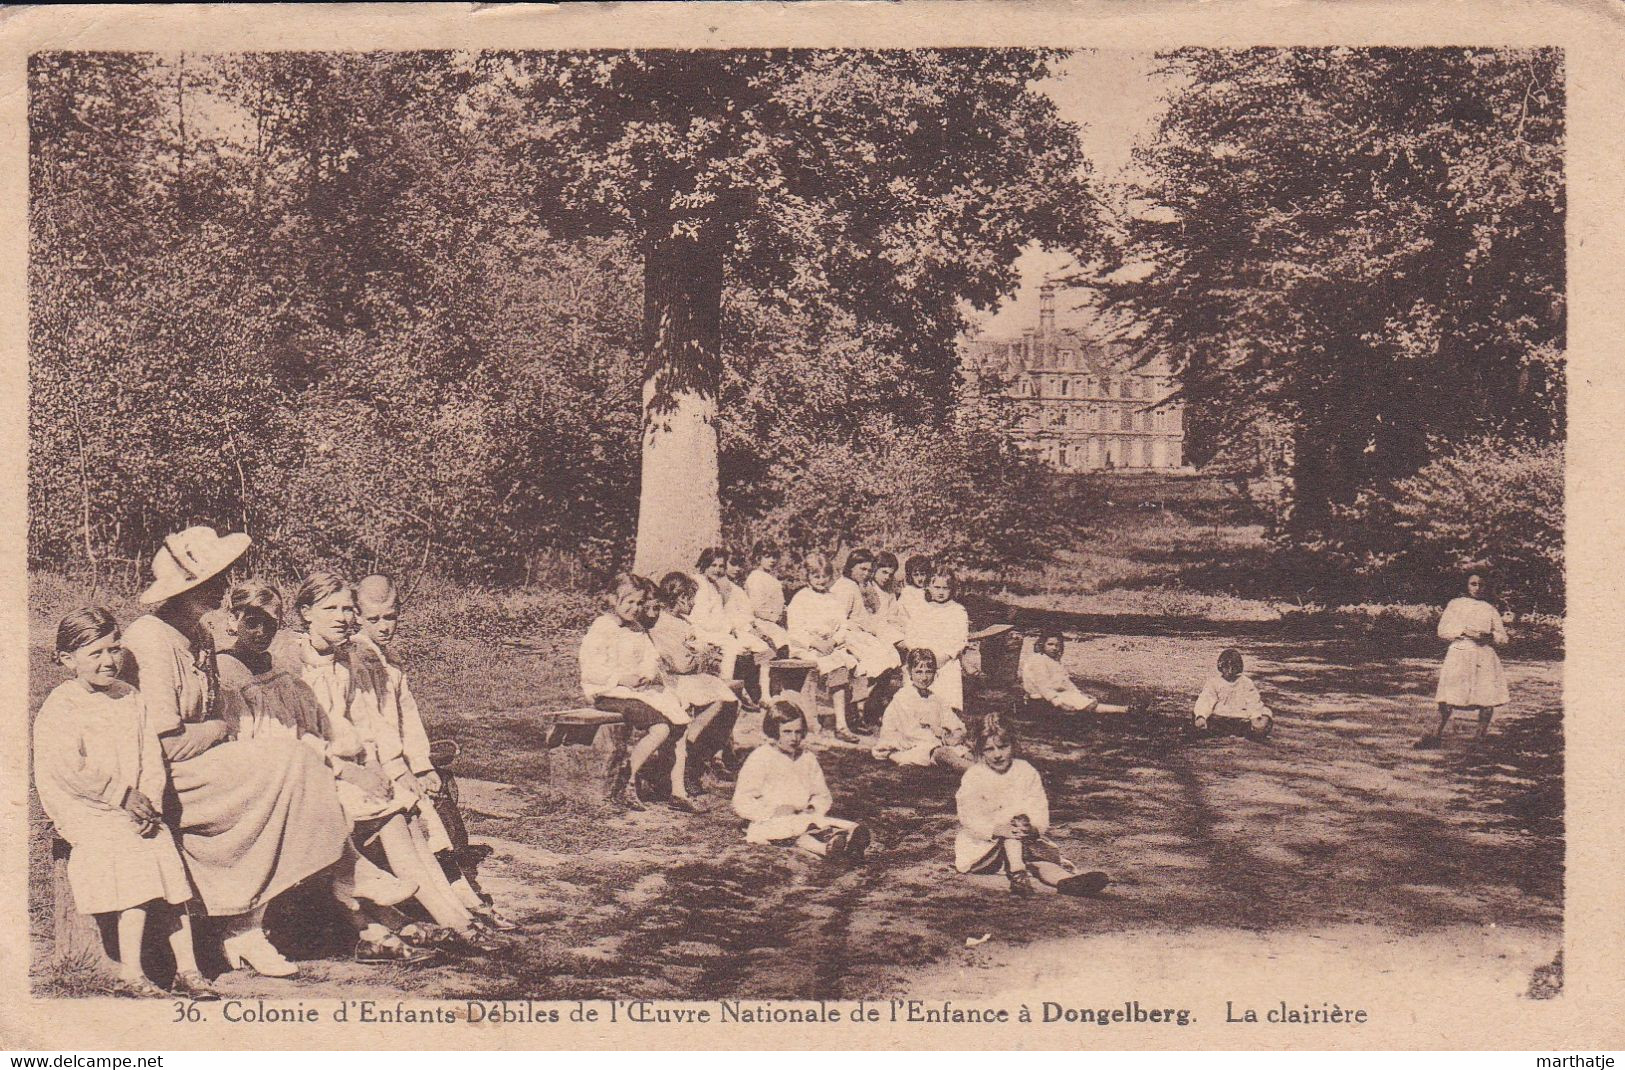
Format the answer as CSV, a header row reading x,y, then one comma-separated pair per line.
x,y
897,186
1361,246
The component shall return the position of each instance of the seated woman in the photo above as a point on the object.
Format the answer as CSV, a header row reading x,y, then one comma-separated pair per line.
x,y
688,662
266,700
782,793
821,633
919,728
620,671
256,816
384,815
1045,680
715,624
1003,816
870,638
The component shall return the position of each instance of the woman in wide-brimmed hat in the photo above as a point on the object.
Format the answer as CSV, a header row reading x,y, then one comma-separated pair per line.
x,y
256,816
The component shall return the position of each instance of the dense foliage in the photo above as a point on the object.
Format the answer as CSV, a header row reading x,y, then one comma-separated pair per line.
x,y
388,309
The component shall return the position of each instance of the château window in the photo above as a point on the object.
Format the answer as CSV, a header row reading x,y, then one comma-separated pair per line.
x,y
1065,387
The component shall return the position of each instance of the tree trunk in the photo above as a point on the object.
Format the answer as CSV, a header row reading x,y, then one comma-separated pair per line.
x,y
679,512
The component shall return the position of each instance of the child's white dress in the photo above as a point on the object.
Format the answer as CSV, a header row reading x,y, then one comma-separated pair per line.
x,y
1471,674
908,600
944,629
613,651
1045,680
397,735
770,779
883,615
874,653
675,639
1230,698
987,801
714,624
819,619
914,726
90,748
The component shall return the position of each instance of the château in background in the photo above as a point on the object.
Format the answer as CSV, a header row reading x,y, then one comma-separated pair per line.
x,y
1082,404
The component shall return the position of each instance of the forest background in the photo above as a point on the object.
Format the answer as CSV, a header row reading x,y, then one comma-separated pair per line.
x,y
389,310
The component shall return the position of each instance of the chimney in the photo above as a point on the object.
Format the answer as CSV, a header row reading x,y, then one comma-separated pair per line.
x,y
1046,310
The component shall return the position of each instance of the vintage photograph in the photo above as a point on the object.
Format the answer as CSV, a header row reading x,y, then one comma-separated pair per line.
x,y
796,524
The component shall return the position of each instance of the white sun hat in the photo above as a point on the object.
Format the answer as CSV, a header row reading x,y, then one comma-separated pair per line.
x,y
189,558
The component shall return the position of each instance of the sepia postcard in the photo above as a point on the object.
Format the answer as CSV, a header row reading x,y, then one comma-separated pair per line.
x,y
813,525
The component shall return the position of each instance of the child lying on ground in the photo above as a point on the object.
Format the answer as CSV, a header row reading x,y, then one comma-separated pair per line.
x,y
1045,680
1231,694
782,793
1003,815
919,728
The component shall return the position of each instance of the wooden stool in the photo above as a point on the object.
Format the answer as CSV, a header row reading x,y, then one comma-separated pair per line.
x,y
90,942
584,751
802,676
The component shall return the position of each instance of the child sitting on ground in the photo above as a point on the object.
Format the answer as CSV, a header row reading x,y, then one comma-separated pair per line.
x,y
690,666
1231,694
1045,680
1003,816
620,672
101,776
919,728
782,793
406,760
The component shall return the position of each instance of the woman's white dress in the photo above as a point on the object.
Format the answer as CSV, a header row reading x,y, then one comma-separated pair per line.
x,y
1471,674
987,801
944,629
614,653
90,748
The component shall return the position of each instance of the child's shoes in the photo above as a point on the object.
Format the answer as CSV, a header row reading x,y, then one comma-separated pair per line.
x,y
1021,885
1083,884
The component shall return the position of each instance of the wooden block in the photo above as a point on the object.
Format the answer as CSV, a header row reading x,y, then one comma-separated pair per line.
x,y
87,941
583,750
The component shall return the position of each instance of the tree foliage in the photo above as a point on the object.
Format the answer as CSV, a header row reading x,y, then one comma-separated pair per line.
x,y
1362,247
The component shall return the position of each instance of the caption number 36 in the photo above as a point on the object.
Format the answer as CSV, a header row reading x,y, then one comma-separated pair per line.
x,y
187,1011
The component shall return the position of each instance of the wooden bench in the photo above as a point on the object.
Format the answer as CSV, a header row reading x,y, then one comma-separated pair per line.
x,y
583,750
998,654
800,676
87,942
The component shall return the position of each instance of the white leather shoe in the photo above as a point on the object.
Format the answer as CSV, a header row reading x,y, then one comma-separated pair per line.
x,y
253,950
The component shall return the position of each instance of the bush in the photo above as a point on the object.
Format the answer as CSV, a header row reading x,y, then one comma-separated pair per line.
x,y
1489,503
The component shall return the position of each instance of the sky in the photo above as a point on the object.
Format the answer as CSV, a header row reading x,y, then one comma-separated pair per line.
x,y
1117,98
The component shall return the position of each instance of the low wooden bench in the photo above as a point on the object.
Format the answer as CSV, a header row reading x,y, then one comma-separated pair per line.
x,y
998,654
87,942
801,676
584,750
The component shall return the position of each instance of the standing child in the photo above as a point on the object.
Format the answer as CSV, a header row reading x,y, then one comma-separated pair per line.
x,y
405,742
820,633
919,728
688,662
941,625
781,791
1471,676
620,671
1045,680
1003,816
100,775
1231,694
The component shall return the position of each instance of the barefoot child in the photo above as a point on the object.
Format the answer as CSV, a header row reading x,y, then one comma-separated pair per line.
x,y
940,625
620,671
100,775
689,662
820,633
782,793
1003,816
404,746
1045,680
919,728
1231,694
